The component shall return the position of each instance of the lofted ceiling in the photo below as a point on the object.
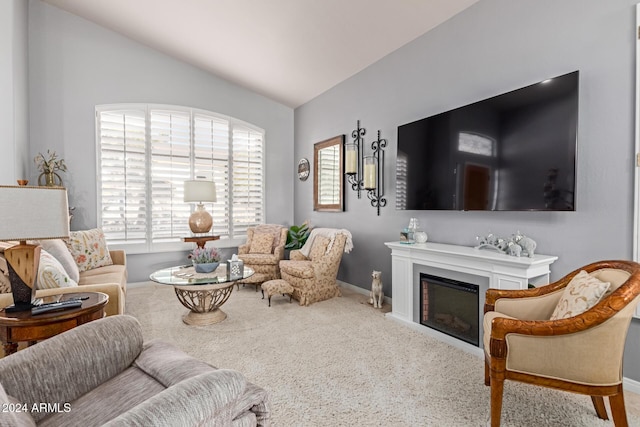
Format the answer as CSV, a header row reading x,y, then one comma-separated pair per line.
x,y
288,50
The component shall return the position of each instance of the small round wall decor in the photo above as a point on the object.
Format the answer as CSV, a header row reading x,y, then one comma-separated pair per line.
x,y
303,169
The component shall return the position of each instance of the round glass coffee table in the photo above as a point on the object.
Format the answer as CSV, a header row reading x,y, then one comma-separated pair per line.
x,y
201,293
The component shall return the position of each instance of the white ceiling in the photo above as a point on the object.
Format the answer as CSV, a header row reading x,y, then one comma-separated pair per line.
x,y
288,50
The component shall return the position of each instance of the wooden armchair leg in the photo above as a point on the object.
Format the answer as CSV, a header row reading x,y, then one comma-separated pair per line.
x,y
497,387
598,404
618,412
487,377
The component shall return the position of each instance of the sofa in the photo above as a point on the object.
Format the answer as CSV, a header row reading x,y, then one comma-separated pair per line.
x,y
60,273
102,373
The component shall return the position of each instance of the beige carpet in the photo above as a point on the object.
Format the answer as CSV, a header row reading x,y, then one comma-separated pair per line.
x,y
342,363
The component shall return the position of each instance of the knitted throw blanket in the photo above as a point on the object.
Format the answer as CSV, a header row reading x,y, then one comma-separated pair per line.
x,y
331,233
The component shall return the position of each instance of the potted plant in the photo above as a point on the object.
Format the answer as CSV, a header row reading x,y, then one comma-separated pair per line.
x,y
205,260
297,236
48,166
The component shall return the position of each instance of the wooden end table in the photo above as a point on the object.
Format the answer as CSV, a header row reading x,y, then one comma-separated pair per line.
x,y
200,240
23,326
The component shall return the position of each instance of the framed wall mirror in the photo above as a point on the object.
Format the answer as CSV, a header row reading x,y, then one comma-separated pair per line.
x,y
328,180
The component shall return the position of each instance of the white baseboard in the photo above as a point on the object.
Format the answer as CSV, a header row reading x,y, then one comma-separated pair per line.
x,y
627,383
631,385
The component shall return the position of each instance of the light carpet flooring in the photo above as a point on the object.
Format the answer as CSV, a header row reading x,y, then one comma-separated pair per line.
x,y
342,363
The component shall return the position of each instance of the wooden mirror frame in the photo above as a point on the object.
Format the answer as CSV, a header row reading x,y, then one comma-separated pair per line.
x,y
333,207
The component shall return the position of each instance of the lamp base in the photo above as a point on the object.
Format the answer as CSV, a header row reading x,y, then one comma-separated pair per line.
x,y
200,221
18,307
23,261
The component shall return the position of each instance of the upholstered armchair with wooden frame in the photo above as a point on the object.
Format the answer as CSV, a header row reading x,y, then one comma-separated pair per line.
x,y
262,252
580,354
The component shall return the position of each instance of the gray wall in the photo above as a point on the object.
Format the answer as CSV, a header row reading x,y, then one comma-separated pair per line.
x,y
493,47
75,65
14,126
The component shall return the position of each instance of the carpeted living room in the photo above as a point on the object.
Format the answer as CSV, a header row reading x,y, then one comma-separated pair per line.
x,y
300,213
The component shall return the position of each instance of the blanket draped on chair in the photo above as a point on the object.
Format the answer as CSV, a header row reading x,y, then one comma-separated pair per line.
x,y
331,233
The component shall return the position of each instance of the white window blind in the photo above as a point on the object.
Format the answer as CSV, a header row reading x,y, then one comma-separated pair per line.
x,y
146,152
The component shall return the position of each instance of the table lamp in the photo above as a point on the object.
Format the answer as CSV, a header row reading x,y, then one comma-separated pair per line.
x,y
29,213
200,191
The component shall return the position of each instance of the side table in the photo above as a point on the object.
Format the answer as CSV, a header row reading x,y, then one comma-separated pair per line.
x,y
23,326
200,240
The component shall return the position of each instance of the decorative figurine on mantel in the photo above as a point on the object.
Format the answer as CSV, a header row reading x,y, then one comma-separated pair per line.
x,y
517,245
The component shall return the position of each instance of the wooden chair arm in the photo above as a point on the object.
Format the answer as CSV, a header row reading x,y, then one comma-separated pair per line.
x,y
598,314
494,294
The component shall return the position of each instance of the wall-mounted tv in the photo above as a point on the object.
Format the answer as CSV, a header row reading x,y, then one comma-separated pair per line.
x,y
512,152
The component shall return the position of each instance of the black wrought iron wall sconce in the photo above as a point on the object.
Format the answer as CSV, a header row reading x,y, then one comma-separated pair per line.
x,y
366,172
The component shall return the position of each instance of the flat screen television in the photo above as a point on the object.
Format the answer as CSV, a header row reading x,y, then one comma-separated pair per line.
x,y
511,152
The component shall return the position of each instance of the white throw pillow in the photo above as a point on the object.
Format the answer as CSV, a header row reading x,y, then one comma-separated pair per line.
x,y
583,292
60,251
51,274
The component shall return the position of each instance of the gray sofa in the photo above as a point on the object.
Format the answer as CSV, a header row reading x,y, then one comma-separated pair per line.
x,y
102,373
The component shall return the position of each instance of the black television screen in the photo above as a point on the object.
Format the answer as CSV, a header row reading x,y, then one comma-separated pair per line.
x,y
512,152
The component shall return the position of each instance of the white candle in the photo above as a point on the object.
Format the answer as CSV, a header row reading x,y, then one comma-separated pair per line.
x,y
352,162
369,173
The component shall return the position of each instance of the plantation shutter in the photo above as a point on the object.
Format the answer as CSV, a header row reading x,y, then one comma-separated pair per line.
x,y
211,156
248,182
146,152
329,185
170,168
123,175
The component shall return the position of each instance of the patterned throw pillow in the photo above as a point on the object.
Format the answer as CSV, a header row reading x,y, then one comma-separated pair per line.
x,y
60,251
89,249
261,243
583,292
51,273
5,285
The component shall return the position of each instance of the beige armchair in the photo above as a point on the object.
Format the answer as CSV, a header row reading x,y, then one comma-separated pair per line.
x,y
262,252
314,277
581,354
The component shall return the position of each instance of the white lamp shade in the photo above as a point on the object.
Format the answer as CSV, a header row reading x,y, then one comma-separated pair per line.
x,y
199,191
33,213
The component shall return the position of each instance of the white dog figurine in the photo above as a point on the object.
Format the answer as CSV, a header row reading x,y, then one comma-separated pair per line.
x,y
376,295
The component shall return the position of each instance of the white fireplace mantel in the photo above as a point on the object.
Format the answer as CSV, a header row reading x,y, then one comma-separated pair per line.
x,y
503,271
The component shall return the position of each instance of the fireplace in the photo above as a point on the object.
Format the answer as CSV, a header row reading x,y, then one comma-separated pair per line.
x,y
450,306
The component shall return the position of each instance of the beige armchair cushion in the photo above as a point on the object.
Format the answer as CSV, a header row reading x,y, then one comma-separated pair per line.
x,y
262,243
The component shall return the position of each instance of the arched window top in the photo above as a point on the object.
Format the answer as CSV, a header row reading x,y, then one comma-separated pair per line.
x,y
147,151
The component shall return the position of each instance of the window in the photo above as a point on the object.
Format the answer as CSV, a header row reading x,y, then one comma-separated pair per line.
x,y
475,144
146,152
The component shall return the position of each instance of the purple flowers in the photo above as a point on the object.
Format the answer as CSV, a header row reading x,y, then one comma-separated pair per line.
x,y
204,255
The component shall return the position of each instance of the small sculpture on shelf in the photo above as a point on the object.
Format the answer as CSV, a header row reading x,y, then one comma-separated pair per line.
x,y
527,244
517,245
